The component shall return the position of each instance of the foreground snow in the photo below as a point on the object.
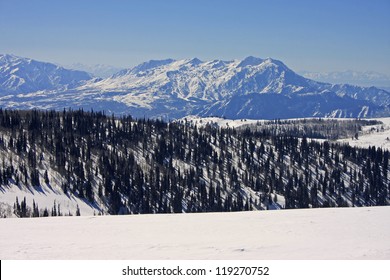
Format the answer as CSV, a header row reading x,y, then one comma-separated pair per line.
x,y
337,233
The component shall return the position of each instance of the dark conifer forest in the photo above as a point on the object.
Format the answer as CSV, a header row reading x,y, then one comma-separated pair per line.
x,y
121,165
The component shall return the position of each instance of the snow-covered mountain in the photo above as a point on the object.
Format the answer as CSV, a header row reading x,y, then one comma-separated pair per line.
x,y
24,75
210,80
249,88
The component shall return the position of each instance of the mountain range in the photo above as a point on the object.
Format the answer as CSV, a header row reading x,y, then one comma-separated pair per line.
x,y
249,88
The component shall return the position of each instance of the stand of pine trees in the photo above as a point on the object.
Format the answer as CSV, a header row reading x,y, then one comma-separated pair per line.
x,y
129,166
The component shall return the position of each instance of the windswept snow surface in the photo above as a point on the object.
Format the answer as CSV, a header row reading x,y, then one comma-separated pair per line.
x,y
332,233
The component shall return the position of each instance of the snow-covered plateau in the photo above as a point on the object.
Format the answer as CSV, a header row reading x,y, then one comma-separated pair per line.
x,y
342,233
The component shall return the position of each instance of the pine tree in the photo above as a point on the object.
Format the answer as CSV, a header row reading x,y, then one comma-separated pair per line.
x,y
78,211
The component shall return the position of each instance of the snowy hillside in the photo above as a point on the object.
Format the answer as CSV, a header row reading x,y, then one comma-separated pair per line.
x,y
338,234
77,162
250,88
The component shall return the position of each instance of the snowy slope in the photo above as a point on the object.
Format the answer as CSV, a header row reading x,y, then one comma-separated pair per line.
x,y
45,195
342,233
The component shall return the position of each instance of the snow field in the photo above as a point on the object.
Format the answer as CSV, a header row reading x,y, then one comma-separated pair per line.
x,y
331,233
375,135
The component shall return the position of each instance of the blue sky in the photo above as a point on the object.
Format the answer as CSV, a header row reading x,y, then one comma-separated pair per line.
x,y
307,35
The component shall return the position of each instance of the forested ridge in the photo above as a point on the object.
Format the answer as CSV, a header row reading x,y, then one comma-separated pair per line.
x,y
121,165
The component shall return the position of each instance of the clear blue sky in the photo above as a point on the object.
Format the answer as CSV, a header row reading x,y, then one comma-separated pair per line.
x,y
321,35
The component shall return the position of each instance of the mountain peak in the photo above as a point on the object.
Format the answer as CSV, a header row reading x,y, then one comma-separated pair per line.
x,y
195,61
254,61
152,64
270,60
7,58
250,61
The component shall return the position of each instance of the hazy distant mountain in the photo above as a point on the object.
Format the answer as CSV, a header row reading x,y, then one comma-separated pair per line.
x,y
367,79
24,75
97,70
386,88
251,88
